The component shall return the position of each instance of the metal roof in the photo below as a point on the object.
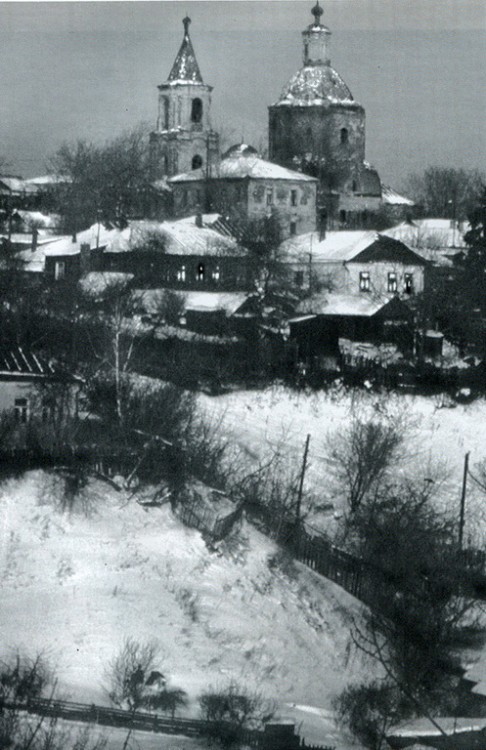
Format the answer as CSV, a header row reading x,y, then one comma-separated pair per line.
x,y
16,361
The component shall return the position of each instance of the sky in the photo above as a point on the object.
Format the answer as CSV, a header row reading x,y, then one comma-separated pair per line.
x,y
90,70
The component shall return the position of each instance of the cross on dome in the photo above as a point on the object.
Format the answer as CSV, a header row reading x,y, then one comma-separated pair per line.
x,y
317,13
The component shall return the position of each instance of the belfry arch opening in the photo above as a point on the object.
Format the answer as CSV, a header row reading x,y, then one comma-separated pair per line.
x,y
344,135
196,110
197,161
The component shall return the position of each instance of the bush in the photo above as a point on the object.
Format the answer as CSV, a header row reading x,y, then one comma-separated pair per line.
x,y
232,709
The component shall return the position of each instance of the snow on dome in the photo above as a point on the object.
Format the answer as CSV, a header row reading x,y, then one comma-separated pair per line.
x,y
316,84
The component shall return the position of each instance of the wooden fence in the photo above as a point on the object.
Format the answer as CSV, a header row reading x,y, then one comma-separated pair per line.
x,y
147,722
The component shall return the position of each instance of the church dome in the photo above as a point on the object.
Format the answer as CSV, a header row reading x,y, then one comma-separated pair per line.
x,y
316,84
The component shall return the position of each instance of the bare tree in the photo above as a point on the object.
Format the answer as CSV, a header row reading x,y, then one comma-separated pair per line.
x,y
360,456
446,192
127,673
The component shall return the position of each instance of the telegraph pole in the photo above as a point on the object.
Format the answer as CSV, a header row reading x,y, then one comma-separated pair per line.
x,y
298,510
463,499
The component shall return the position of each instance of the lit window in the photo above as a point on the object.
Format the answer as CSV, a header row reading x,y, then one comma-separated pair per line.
x,y
216,274
409,283
364,281
200,272
181,274
293,227
269,196
21,410
392,282
59,269
293,197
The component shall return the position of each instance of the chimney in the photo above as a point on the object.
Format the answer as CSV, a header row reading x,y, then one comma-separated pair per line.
x,y
74,237
35,235
199,221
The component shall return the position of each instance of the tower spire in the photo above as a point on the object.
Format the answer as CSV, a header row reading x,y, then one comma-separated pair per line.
x,y
185,66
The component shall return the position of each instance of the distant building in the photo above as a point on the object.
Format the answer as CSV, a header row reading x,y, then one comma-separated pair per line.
x,y
249,187
183,139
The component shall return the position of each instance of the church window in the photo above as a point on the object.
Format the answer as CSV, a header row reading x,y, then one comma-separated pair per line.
x,y
197,161
166,112
293,197
21,410
364,281
409,283
269,196
166,164
392,282
293,228
200,272
197,110
344,135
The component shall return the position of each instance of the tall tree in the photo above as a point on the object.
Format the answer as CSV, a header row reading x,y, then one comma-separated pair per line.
x,y
107,182
445,192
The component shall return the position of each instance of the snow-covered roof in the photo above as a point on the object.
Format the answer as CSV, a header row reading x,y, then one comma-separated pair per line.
x,y
17,361
449,724
359,305
185,67
335,246
392,198
430,233
238,166
96,236
17,185
38,219
48,179
230,302
184,237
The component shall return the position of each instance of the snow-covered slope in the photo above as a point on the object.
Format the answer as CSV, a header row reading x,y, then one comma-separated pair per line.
x,y
75,585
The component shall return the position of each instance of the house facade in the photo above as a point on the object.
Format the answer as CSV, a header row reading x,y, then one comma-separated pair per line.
x,y
248,187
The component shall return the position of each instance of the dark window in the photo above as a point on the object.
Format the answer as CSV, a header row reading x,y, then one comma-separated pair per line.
x,y
299,278
197,110
293,227
392,282
269,196
293,197
197,161
21,410
166,112
409,283
344,135
364,281
354,186
342,216
200,272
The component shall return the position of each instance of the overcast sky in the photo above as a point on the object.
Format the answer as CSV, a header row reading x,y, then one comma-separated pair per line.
x,y
90,70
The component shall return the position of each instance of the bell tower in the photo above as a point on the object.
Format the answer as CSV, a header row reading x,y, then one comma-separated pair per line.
x,y
183,139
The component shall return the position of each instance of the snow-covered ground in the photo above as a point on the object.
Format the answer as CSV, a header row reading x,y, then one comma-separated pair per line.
x,y
439,435
75,585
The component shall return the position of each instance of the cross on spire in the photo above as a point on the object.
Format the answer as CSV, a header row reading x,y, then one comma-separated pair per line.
x,y
317,13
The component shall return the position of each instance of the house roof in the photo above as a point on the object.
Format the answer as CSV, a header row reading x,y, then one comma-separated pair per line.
x,y
432,234
230,302
16,361
348,247
391,198
346,305
449,724
184,237
17,185
242,163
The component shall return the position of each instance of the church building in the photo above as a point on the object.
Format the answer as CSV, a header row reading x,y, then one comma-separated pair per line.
x,y
316,126
183,139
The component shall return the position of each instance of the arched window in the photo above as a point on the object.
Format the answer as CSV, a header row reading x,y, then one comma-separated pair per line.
x,y
197,161
200,272
166,112
166,164
197,110
344,135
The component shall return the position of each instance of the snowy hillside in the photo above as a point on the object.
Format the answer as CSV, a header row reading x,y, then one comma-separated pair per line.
x,y
439,433
75,585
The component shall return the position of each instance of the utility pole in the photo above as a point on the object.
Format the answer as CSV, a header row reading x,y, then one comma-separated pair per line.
x,y
463,499
298,510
